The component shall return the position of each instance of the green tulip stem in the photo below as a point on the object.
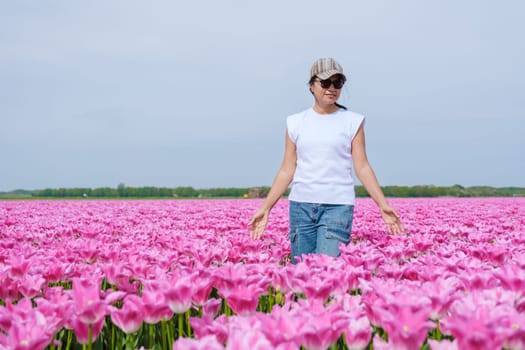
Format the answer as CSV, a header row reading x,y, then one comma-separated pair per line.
x,y
69,339
90,337
181,320
112,336
188,326
163,332
151,336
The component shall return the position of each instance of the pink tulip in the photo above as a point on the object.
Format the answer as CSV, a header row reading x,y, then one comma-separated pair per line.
x,y
81,329
129,318
241,286
8,288
243,299
519,257
317,288
380,344
155,306
318,260
30,286
372,302
352,276
496,254
211,307
89,310
520,303
9,221
21,310
249,339
205,343
178,294
390,272
295,276
89,249
323,326
55,304
358,333
89,307
515,340
30,335
408,329
25,327
116,274
512,277
476,324
421,242
478,281
54,272
412,273
18,266
5,319
141,269
203,286
442,293
350,254
207,326
282,326
110,296
443,345
120,276
229,275
405,319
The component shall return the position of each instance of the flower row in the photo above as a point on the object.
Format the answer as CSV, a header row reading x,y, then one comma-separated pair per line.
x,y
156,273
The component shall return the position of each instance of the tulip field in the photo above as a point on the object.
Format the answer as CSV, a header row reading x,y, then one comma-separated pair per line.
x,y
185,274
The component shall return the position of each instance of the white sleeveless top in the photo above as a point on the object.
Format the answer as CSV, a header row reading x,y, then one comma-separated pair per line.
x,y
324,160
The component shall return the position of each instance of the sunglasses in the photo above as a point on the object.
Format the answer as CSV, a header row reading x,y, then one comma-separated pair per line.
x,y
337,83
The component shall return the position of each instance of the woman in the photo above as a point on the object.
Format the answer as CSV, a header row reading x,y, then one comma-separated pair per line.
x,y
322,145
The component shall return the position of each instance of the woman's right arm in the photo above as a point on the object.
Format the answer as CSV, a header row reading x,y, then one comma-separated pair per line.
x,y
280,184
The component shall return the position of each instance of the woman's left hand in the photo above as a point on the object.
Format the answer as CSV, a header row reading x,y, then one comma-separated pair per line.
x,y
258,223
391,219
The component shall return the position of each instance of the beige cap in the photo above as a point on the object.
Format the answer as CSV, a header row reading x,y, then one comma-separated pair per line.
x,y
324,68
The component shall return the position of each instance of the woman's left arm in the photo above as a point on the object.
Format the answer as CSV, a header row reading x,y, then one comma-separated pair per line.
x,y
366,175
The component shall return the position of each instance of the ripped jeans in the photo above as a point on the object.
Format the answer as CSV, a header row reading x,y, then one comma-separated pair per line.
x,y
319,228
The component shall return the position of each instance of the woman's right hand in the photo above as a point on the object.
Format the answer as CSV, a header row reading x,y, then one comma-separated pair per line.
x,y
391,219
258,223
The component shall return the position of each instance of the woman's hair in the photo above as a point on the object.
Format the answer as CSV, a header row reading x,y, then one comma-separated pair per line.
x,y
312,81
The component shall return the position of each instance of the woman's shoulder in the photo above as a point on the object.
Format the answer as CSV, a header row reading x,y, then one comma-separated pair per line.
x,y
353,120
299,115
296,117
353,116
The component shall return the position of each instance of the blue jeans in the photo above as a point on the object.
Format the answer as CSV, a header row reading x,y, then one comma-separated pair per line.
x,y
319,228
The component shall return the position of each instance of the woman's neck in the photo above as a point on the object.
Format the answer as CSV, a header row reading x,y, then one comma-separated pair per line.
x,y
325,109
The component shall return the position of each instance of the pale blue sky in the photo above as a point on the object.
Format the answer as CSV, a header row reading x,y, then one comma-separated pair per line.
x,y
180,93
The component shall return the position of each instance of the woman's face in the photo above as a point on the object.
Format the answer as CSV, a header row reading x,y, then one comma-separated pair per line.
x,y
324,94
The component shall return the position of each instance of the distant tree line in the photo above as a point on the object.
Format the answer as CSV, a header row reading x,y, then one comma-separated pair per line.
x,y
446,191
123,191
